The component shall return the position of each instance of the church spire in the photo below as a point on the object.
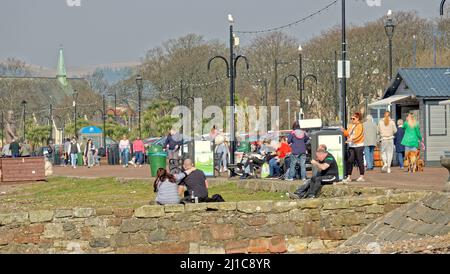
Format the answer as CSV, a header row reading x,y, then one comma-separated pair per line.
x,y
61,74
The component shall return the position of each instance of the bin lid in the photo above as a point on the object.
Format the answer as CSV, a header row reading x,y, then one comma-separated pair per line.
x,y
155,149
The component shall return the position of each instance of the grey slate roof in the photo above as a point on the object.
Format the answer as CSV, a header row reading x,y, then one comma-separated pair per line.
x,y
423,82
39,90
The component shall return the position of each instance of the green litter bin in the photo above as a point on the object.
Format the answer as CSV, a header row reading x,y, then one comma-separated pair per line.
x,y
79,159
157,160
244,146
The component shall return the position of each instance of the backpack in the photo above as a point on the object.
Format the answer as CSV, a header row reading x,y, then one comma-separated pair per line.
x,y
216,198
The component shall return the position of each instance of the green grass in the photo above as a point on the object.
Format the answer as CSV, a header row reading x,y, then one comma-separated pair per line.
x,y
62,192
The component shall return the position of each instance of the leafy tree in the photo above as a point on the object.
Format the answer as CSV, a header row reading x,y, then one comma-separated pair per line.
x,y
115,130
157,120
37,135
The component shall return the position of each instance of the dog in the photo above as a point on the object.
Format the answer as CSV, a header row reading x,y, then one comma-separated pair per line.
x,y
413,162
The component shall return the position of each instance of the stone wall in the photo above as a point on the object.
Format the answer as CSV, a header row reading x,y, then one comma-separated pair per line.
x,y
328,191
426,218
242,227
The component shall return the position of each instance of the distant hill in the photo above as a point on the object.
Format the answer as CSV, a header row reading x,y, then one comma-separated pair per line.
x,y
112,71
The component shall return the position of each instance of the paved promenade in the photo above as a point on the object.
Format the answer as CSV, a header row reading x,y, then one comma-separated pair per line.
x,y
432,178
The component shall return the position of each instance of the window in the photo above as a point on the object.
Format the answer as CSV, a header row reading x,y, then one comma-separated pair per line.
x,y
377,114
437,120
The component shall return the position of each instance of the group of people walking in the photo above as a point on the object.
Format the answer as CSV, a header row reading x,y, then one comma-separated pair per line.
x,y
15,149
362,138
73,149
131,152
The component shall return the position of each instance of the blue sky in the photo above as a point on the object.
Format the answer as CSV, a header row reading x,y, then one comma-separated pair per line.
x,y
112,31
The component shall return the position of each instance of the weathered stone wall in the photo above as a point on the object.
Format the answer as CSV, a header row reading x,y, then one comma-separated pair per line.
x,y
426,218
328,191
242,227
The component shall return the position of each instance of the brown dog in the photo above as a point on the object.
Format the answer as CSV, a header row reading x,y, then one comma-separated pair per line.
x,y
412,162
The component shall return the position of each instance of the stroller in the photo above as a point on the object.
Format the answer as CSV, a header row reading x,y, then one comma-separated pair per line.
x,y
250,166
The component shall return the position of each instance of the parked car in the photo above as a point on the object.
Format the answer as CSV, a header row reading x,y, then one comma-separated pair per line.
x,y
160,141
149,141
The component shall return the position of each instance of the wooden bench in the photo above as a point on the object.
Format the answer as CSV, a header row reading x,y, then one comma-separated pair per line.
x,y
22,169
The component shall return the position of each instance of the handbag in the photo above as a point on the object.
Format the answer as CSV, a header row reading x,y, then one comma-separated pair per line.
x,y
265,171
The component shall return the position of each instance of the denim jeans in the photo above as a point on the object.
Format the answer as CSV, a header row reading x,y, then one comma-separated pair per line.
x,y
124,157
368,155
90,158
273,167
400,159
139,157
73,159
294,160
224,162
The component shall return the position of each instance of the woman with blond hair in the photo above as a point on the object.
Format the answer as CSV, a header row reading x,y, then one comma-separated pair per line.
x,y
387,130
412,139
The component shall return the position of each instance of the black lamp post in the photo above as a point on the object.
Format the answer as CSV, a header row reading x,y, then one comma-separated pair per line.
x,y
300,79
277,63
75,97
62,123
343,96
231,73
104,116
389,28
265,84
414,51
114,95
139,86
442,7
51,123
3,129
24,105
104,123
182,97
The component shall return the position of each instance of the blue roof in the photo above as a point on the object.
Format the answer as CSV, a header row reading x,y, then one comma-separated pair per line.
x,y
423,82
91,130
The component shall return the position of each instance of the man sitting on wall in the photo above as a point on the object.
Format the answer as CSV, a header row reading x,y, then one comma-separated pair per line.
x,y
327,173
195,183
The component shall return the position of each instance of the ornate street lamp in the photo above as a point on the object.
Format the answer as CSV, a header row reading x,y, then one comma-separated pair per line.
x,y
139,86
389,28
231,73
24,105
75,98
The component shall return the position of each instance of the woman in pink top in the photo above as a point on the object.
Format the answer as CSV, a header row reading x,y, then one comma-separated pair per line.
x,y
138,149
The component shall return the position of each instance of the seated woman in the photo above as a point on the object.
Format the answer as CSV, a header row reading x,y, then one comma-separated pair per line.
x,y
277,162
166,186
252,161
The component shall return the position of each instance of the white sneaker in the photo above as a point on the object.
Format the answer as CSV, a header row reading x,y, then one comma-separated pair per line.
x,y
389,170
361,179
383,169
